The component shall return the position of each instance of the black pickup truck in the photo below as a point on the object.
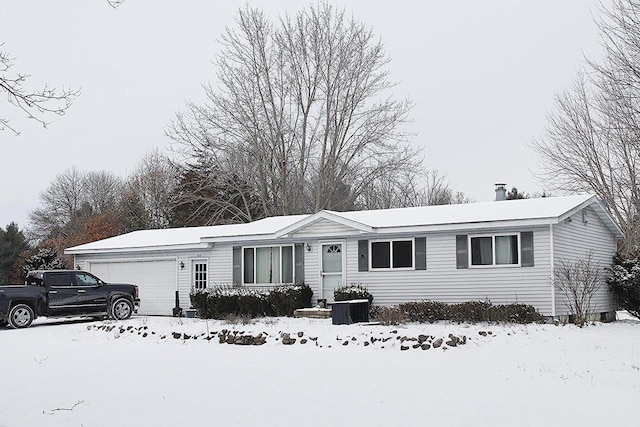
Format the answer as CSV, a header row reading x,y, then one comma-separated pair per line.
x,y
65,293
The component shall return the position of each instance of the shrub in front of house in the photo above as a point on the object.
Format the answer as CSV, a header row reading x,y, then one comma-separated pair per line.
x,y
351,292
514,313
469,311
424,311
284,300
387,315
222,301
466,312
624,282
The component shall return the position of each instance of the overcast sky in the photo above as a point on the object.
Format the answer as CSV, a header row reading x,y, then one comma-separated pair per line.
x,y
482,75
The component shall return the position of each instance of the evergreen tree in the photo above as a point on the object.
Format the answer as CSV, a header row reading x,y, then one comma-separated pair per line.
x,y
44,259
12,244
514,194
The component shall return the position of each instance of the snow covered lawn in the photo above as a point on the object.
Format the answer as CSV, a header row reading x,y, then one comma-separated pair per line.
x,y
87,373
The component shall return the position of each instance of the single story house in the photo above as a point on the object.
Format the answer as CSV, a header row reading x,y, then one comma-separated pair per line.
x,y
500,251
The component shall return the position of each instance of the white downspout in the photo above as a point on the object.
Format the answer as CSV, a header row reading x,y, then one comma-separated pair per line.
x,y
552,263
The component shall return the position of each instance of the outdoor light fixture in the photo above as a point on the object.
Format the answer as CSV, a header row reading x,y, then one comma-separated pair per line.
x,y
181,265
308,247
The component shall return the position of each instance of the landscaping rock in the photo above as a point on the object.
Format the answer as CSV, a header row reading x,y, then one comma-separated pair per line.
x,y
437,343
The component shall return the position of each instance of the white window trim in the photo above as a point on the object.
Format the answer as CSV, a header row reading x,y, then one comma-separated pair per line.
x,y
293,263
493,249
391,268
192,271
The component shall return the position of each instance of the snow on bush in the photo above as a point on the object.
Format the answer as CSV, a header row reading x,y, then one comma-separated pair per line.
x,y
221,301
624,282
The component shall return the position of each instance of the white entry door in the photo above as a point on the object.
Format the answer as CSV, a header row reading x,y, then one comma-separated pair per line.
x,y
331,269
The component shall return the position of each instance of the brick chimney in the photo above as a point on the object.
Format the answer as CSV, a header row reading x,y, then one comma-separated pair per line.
x,y
501,192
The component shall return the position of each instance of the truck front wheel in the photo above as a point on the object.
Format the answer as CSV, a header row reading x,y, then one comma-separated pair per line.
x,y
121,309
21,316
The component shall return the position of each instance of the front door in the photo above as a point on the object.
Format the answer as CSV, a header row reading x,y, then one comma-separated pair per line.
x,y
331,271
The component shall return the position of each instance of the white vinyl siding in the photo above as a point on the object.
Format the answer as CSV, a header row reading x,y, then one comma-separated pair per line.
x,y
444,282
574,239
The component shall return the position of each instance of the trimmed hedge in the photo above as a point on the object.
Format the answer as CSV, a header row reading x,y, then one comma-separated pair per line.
x,y
222,301
469,312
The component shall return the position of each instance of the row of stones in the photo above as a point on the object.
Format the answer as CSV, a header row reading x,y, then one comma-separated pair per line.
x,y
225,336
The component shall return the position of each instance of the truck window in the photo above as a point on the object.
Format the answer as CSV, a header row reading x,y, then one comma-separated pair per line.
x,y
83,279
59,279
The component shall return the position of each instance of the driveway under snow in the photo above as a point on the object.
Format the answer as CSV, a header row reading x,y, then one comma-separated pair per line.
x,y
146,372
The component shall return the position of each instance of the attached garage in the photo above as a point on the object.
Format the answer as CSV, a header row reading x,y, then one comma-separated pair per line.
x,y
156,279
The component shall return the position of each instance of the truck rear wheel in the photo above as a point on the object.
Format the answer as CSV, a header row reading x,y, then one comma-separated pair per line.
x,y
121,309
20,316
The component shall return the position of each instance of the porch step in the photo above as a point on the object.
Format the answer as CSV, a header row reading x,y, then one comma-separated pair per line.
x,y
314,313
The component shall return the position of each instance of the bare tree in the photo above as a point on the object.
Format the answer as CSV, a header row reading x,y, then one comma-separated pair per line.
x,y
151,187
591,142
578,282
410,189
72,198
60,202
35,103
301,111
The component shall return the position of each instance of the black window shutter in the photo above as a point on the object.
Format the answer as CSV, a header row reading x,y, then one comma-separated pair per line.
x,y
237,265
526,249
421,253
462,256
298,273
363,255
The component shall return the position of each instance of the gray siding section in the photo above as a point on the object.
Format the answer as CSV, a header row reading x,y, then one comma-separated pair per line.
x,y
575,239
443,281
324,229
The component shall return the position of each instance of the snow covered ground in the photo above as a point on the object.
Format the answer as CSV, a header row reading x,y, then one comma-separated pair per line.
x,y
88,373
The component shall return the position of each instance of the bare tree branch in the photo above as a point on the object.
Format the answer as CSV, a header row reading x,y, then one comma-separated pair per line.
x,y
34,103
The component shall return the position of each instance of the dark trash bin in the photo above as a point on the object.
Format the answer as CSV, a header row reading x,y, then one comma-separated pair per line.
x,y
348,312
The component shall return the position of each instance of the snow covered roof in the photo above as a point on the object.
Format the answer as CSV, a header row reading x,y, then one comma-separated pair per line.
x,y
184,238
426,218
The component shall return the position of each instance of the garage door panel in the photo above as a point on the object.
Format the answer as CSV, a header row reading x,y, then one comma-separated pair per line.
x,y
156,280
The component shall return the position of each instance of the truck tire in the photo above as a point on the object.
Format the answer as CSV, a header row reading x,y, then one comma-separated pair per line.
x,y
121,309
20,316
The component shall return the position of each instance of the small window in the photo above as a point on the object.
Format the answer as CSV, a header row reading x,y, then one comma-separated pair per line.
x,y
381,255
494,250
199,273
392,254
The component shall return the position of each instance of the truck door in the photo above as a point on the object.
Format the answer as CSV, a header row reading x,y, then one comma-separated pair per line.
x,y
63,296
92,293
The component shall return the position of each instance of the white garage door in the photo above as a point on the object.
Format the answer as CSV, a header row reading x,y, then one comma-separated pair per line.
x,y
156,280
